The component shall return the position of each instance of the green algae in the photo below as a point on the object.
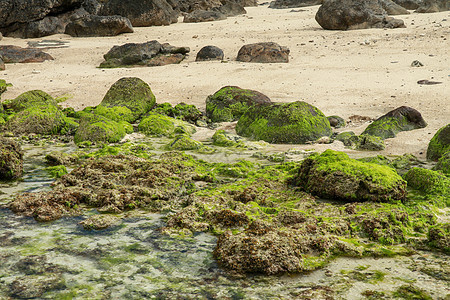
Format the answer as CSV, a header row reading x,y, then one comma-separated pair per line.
x,y
57,171
115,113
3,87
411,292
439,143
182,111
30,98
292,123
132,93
160,125
98,129
184,142
434,185
443,164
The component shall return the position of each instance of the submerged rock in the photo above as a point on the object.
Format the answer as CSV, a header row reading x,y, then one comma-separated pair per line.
x,y
231,102
334,175
292,123
34,286
99,222
355,14
132,93
268,52
439,144
11,159
400,119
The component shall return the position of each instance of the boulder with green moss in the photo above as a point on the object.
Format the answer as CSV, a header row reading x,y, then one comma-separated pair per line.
x,y
361,142
439,237
11,159
444,163
439,144
334,175
184,142
98,129
160,125
231,102
182,111
400,119
291,123
336,121
3,87
428,181
132,93
35,98
223,139
115,113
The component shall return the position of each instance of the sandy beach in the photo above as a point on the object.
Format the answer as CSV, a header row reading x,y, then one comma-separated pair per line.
x,y
360,72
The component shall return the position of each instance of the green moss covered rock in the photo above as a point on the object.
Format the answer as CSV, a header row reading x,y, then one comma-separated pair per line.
x,y
401,119
95,128
336,121
39,119
439,237
291,123
334,175
221,138
428,181
11,159
444,163
35,98
439,144
182,111
115,113
160,125
130,92
184,142
3,87
230,103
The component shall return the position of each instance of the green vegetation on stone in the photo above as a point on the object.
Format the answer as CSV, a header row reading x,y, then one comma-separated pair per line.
x,y
97,129
410,292
184,142
57,171
439,144
444,163
160,125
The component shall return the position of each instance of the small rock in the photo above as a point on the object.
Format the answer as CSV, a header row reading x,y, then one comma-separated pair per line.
x,y
263,53
428,82
209,53
416,63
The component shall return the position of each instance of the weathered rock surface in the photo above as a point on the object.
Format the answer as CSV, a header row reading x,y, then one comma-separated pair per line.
x,y
294,3
99,26
209,53
99,222
263,53
11,159
99,129
291,123
334,175
16,54
34,286
432,6
2,64
231,9
439,144
203,16
393,8
230,103
140,12
354,14
409,4
403,118
151,53
189,6
39,28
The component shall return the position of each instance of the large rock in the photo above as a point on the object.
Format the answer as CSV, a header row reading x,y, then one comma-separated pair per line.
x,y
130,92
290,123
11,159
16,54
47,26
209,53
403,118
141,12
188,6
203,16
231,9
439,144
393,8
333,175
145,54
263,53
354,14
99,129
432,6
99,26
231,102
294,3
409,4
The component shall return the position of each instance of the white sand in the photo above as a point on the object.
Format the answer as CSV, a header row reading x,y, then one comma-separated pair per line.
x,y
345,73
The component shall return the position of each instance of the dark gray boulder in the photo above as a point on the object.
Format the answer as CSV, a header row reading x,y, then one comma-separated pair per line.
x,y
294,3
15,54
35,29
140,12
203,16
409,4
432,6
268,52
209,53
355,14
99,26
231,9
188,6
393,8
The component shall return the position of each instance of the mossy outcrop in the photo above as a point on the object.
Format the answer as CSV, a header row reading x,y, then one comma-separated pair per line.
x,y
334,175
444,163
401,119
184,142
429,182
3,87
160,125
439,237
221,138
182,111
439,144
98,129
231,102
11,159
35,98
292,123
132,93
361,142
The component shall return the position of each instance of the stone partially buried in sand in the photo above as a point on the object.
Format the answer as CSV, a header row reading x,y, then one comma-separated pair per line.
x,y
355,14
209,53
231,102
99,26
268,52
15,54
203,16
403,118
290,123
